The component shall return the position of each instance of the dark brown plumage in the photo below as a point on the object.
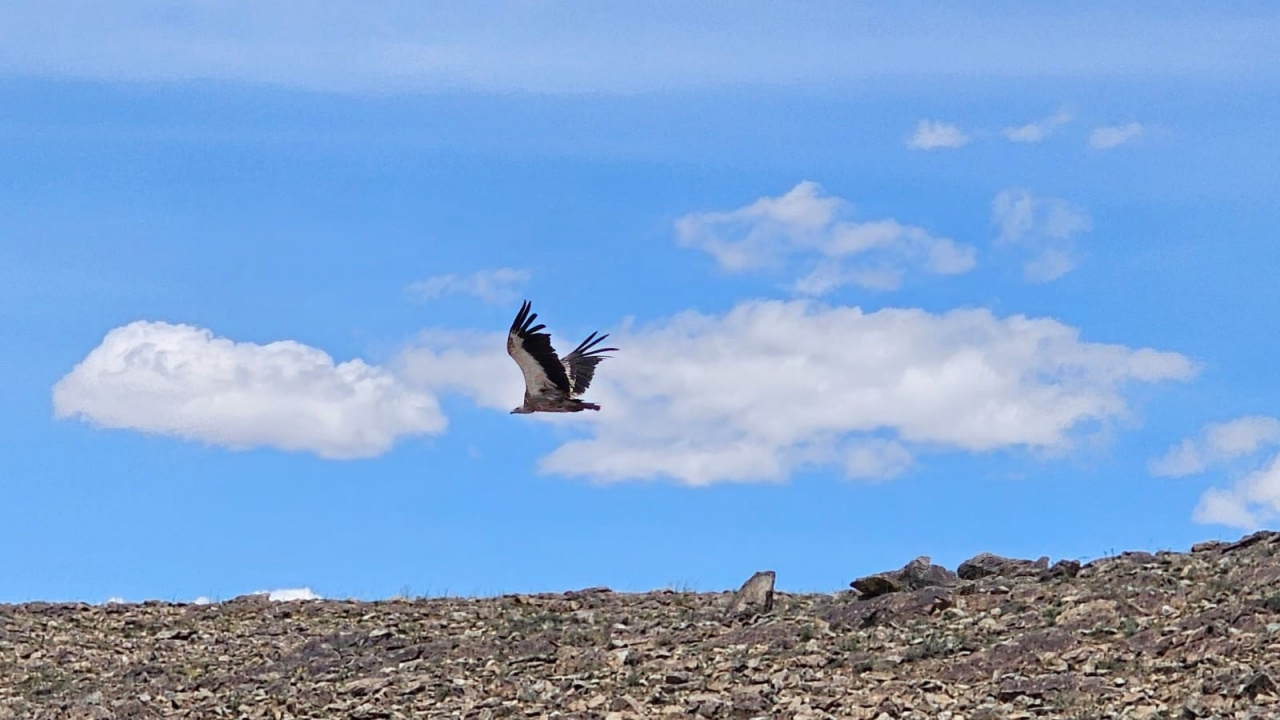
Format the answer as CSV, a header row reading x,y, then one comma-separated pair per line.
x,y
552,384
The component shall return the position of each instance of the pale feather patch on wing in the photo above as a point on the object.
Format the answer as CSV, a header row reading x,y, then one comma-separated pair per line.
x,y
533,352
535,376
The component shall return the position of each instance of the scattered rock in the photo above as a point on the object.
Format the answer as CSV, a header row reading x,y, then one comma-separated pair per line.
x,y
1207,546
1258,683
677,677
1061,570
588,591
1262,536
1171,635
1138,556
1038,687
890,608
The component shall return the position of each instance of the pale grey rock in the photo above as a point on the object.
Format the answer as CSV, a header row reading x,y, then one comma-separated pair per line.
x,y
755,595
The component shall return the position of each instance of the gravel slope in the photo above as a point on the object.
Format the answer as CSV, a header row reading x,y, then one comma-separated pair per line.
x,y
1170,635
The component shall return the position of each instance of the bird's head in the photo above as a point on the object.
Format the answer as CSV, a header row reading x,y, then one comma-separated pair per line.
x,y
521,411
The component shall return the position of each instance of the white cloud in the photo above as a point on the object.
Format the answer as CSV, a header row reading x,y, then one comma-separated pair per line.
x,y
1111,136
773,386
1037,131
475,364
1218,443
772,231
1242,436
1049,265
495,287
876,459
202,600
289,594
934,134
1181,459
1044,226
1254,498
1251,502
182,381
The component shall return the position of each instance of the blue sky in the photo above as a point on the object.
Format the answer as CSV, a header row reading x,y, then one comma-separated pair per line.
x,y
887,281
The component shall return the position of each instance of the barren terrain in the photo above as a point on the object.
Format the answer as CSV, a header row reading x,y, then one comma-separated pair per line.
x,y
1137,635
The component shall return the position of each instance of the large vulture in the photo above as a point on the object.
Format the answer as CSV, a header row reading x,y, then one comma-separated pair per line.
x,y
552,384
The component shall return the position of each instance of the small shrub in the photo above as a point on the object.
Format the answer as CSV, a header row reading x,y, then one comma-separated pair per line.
x,y
932,647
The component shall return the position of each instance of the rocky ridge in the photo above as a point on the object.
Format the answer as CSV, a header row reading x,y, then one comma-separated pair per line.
x,y
1137,635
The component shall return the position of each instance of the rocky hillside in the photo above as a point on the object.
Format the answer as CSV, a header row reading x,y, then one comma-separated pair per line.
x,y
1170,635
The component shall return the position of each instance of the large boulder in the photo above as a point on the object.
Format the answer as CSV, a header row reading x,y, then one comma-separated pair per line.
x,y
989,565
755,596
893,607
1062,569
917,574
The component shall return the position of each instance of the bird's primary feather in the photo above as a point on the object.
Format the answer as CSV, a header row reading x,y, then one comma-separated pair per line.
x,y
580,365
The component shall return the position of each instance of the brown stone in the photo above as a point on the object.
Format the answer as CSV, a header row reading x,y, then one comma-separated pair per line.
x,y
1134,635
755,595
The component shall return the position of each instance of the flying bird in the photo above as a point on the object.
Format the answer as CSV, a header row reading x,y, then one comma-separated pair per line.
x,y
550,383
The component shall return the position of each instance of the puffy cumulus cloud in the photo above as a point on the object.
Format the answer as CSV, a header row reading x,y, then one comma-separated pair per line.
x,y
936,135
802,231
496,287
773,386
1043,227
1035,132
1218,443
179,380
1113,136
1250,503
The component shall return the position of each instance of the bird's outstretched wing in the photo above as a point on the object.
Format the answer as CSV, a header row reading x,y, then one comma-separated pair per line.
x,y
580,365
532,351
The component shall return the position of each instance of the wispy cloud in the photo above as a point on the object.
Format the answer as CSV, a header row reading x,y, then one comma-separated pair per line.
x,y
496,287
1113,136
876,459
182,381
1035,132
771,387
1044,227
801,232
1250,503
1246,446
1218,443
535,47
934,135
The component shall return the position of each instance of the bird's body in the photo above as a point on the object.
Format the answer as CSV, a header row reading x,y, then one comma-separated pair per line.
x,y
552,384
